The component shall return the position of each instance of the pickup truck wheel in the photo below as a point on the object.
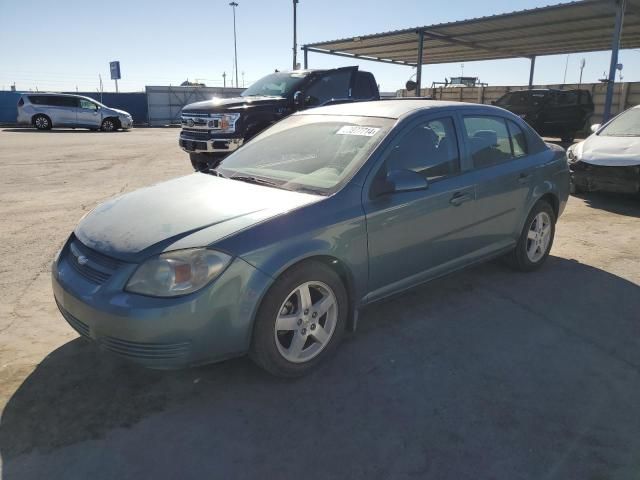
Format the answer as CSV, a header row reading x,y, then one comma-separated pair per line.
x,y
204,161
301,320
536,239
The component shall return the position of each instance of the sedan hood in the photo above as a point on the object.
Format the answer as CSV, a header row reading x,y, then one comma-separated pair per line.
x,y
610,151
233,104
192,211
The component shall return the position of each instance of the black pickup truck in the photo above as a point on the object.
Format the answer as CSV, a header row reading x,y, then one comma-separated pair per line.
x,y
212,129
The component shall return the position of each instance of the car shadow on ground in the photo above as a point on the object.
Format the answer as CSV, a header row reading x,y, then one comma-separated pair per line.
x,y
621,204
487,370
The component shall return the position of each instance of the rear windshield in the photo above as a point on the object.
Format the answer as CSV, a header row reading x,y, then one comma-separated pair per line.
x,y
309,153
626,124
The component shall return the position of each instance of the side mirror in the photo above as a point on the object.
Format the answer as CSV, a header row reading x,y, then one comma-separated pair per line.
x,y
410,85
298,98
595,127
398,181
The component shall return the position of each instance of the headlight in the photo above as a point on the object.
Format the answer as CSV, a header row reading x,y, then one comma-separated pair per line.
x,y
177,273
226,122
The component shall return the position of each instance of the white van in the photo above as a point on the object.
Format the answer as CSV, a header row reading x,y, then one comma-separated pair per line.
x,y
48,110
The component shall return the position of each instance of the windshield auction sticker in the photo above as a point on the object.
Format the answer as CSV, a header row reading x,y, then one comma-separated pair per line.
x,y
355,130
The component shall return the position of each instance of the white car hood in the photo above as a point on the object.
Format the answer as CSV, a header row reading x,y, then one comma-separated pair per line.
x,y
609,151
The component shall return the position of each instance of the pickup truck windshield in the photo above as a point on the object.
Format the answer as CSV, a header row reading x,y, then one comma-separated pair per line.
x,y
275,85
307,153
626,124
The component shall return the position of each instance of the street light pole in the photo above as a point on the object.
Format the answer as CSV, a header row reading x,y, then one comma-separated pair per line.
x,y
233,5
295,27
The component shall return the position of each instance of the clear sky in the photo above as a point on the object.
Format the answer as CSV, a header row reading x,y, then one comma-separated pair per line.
x,y
58,45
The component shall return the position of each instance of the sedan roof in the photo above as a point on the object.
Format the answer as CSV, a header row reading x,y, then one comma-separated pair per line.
x,y
389,108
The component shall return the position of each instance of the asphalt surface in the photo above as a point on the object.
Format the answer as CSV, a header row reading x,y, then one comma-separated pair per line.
x,y
487,373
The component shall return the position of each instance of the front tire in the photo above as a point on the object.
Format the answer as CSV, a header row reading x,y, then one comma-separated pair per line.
x,y
109,125
201,162
42,122
301,320
536,239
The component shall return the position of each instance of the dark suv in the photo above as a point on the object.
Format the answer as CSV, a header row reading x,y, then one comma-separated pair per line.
x,y
552,113
214,128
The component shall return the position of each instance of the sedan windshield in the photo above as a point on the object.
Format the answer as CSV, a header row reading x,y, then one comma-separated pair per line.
x,y
313,153
275,85
626,124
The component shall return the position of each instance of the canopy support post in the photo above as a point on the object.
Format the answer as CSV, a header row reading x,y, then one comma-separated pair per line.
x,y
419,63
615,46
306,60
531,70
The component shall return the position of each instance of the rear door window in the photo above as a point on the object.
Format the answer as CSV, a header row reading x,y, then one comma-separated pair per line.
x,y
488,140
518,140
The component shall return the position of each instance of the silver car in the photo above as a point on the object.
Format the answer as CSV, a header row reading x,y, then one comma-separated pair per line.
x,y
48,110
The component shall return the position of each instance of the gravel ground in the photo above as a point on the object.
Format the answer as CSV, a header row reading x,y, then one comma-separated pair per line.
x,y
487,373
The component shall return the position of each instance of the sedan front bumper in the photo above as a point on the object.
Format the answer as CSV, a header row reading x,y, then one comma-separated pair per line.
x,y
209,325
591,178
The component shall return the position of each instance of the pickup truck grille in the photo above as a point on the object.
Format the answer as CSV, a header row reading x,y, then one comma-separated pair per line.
x,y
193,135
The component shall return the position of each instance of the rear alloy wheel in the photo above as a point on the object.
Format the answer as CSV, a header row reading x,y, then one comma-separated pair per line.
x,y
42,122
300,321
108,125
536,239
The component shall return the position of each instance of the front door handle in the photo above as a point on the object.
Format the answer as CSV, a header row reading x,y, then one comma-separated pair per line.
x,y
459,198
524,178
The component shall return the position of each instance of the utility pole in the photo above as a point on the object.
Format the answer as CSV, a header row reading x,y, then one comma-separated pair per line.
x,y
233,5
242,79
295,29
582,64
224,79
566,65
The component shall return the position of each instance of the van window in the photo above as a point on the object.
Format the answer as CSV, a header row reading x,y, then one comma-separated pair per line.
x,y
430,149
87,105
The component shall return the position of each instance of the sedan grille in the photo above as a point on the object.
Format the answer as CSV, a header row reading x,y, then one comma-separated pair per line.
x,y
144,350
92,265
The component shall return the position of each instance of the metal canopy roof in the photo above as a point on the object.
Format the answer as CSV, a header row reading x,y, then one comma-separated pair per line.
x,y
579,26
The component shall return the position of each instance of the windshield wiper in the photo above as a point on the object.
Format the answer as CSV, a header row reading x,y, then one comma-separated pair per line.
x,y
256,180
216,173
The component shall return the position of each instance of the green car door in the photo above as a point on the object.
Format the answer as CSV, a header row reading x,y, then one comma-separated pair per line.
x,y
416,230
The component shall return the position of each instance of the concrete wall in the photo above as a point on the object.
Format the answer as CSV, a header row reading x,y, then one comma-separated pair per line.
x,y
626,94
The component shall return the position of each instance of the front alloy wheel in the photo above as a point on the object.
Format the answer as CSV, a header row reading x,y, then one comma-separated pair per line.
x,y
300,321
306,322
108,125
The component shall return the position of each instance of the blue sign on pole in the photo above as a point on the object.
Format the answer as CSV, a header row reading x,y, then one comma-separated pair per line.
x,y
115,70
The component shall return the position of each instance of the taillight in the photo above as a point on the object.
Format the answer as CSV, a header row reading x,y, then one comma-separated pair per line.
x,y
21,102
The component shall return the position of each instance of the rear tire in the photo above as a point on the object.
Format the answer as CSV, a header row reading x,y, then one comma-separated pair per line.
x,y
536,239
42,122
294,331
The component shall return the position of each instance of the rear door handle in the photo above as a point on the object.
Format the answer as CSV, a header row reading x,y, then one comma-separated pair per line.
x,y
524,178
459,198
